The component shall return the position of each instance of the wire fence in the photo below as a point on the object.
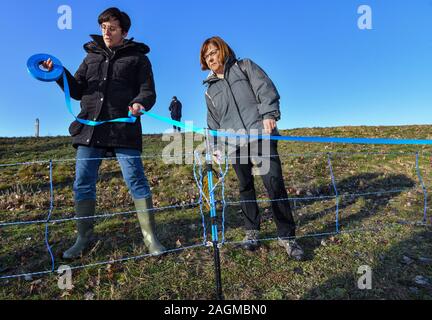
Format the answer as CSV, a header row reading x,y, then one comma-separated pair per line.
x,y
199,170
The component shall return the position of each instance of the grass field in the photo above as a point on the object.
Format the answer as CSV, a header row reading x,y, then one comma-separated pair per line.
x,y
380,206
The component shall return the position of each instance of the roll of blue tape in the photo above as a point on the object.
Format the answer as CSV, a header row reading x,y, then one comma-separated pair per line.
x,y
34,67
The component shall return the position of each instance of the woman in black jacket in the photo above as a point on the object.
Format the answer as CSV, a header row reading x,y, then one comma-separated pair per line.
x,y
115,78
241,98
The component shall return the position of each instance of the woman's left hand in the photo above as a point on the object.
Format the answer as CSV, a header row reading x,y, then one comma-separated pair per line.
x,y
269,125
136,109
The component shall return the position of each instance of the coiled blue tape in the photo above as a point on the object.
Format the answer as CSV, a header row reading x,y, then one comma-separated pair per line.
x,y
34,67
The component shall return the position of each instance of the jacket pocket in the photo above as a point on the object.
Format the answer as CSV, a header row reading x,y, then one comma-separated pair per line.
x,y
124,70
75,128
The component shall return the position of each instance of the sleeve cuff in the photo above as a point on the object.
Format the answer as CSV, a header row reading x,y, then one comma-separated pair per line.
x,y
272,115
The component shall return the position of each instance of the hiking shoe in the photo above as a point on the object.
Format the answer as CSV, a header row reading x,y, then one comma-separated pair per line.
x,y
250,240
292,248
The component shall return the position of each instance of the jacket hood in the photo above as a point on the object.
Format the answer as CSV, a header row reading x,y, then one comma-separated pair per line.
x,y
98,45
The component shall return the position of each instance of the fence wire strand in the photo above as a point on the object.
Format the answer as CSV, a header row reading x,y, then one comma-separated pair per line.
x,y
198,176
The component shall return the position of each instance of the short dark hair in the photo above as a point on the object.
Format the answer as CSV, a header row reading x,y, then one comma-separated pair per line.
x,y
175,98
116,14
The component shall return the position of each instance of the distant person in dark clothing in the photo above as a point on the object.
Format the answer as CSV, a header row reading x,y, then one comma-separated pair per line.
x,y
176,111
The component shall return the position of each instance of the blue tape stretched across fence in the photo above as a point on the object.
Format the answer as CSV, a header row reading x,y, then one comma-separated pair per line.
x,y
325,139
35,61
293,138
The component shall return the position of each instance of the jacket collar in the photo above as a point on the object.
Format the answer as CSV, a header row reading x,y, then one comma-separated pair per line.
x,y
98,46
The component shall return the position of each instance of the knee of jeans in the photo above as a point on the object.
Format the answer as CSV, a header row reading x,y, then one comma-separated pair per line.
x,y
137,181
139,188
84,182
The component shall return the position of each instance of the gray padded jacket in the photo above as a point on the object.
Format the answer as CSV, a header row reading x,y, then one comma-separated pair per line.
x,y
242,99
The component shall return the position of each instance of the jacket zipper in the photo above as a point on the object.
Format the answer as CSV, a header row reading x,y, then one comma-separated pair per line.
x,y
235,102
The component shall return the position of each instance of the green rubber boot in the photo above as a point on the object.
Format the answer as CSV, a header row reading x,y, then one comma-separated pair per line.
x,y
84,208
147,223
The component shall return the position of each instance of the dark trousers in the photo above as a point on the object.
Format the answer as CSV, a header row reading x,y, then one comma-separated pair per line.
x,y
175,127
274,184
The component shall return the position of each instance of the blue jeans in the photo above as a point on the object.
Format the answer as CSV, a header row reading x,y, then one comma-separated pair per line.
x,y
87,167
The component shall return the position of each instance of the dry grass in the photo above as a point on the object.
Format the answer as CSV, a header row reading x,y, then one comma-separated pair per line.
x,y
397,251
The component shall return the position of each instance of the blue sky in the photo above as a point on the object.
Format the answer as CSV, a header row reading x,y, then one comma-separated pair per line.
x,y
328,71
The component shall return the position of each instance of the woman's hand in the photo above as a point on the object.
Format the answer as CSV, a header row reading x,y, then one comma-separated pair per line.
x,y
136,109
48,64
269,125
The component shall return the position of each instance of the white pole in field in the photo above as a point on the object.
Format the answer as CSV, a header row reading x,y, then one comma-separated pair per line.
x,y
37,128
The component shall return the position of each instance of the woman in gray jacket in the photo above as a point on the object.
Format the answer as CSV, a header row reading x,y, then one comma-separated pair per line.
x,y
241,98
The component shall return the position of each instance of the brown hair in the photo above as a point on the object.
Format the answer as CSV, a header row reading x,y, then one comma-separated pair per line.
x,y
224,48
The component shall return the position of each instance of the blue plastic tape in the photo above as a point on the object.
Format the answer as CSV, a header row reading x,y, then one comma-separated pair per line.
x,y
293,138
34,67
326,139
